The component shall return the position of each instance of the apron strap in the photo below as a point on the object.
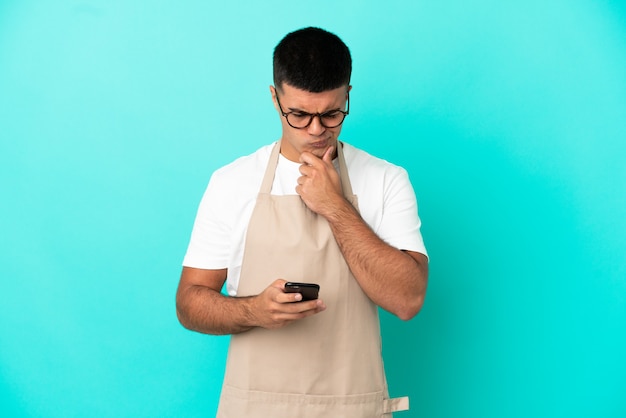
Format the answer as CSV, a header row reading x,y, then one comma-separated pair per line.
x,y
268,178
346,186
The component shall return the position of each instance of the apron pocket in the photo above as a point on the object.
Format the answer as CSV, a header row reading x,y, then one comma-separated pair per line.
x,y
238,403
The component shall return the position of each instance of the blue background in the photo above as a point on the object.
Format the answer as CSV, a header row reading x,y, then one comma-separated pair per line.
x,y
509,116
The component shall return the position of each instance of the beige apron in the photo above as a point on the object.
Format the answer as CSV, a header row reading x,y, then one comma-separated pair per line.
x,y
326,365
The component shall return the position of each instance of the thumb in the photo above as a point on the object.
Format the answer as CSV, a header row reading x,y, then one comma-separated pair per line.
x,y
328,155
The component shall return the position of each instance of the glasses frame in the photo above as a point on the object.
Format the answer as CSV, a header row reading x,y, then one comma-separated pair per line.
x,y
312,115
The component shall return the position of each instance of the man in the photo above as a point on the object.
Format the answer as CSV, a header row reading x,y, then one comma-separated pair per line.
x,y
289,212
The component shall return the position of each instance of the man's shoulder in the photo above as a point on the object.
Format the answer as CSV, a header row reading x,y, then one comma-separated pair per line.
x,y
363,162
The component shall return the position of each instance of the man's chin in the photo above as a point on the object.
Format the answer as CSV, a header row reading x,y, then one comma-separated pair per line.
x,y
320,151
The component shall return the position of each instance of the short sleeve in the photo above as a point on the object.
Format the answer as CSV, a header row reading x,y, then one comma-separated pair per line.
x,y
209,245
400,223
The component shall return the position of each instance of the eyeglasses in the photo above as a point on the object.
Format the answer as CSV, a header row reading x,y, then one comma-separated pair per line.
x,y
301,120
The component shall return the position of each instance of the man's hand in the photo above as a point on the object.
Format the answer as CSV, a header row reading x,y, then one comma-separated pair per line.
x,y
273,308
320,185
201,307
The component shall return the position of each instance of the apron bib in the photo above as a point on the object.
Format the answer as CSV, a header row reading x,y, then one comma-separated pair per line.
x,y
326,365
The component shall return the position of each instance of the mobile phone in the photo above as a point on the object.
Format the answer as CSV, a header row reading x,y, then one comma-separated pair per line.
x,y
309,291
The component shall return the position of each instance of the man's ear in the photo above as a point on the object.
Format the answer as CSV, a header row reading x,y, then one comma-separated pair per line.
x,y
273,93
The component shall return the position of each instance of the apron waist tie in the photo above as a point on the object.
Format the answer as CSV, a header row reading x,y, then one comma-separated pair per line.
x,y
396,405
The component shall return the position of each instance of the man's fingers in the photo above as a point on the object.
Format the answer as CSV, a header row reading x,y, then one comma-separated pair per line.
x,y
306,158
305,170
283,314
288,297
309,158
301,309
279,284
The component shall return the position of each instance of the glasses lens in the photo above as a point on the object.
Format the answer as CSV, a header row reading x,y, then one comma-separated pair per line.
x,y
332,119
298,120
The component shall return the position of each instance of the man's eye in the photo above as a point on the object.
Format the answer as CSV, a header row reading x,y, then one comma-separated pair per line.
x,y
300,115
331,115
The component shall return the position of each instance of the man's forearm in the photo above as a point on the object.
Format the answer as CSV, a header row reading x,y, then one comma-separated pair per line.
x,y
202,309
391,278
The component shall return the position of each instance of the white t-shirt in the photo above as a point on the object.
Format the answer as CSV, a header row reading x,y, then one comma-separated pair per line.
x,y
385,197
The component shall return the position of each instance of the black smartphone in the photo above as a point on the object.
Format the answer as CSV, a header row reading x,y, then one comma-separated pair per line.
x,y
309,291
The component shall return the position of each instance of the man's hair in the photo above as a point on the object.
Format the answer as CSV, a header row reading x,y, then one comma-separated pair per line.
x,y
312,59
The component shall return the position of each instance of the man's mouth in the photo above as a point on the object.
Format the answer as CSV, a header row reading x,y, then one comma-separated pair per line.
x,y
319,144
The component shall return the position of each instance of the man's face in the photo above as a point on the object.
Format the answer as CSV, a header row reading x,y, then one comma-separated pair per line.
x,y
315,138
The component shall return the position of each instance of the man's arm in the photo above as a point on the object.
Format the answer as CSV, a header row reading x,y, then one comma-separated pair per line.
x,y
201,307
393,279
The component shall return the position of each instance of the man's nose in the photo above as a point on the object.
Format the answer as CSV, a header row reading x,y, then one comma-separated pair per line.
x,y
316,127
